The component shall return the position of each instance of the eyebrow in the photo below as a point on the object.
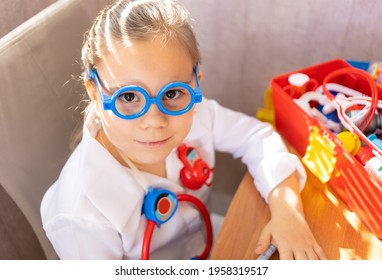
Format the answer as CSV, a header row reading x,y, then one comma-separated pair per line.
x,y
112,90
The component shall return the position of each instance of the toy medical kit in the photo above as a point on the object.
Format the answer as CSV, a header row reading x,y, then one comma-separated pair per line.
x,y
374,166
364,154
299,83
343,104
352,94
195,172
305,103
375,124
375,70
320,155
350,141
268,253
375,140
370,161
266,113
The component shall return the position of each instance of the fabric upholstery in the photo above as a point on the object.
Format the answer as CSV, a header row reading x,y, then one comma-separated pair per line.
x,y
18,239
37,99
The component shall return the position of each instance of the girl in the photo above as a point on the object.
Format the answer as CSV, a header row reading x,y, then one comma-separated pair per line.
x,y
140,61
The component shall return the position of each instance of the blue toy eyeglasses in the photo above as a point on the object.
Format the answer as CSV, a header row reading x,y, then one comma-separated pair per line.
x,y
131,102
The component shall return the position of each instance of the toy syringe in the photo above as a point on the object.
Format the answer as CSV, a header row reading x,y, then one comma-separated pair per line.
x,y
268,253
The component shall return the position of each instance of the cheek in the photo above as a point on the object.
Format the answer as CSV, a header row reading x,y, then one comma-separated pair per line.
x,y
183,124
118,130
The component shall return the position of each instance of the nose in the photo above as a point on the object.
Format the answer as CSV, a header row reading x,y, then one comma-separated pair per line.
x,y
154,118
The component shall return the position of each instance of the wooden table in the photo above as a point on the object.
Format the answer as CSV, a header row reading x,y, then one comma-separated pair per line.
x,y
339,231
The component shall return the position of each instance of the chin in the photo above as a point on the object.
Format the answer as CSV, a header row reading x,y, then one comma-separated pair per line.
x,y
151,158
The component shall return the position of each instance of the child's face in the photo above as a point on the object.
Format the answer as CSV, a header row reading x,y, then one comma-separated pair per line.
x,y
148,139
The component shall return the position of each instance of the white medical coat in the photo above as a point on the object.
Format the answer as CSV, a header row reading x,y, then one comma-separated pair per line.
x,y
93,210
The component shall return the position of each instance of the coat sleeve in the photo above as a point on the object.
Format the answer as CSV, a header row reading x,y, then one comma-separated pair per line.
x,y
260,148
75,239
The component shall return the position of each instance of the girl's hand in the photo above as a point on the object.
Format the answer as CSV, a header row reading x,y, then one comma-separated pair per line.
x,y
288,229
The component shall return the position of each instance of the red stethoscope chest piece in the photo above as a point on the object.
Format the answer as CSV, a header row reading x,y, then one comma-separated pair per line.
x,y
195,172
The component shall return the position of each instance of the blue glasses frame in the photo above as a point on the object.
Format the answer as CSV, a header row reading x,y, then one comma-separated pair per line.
x,y
109,101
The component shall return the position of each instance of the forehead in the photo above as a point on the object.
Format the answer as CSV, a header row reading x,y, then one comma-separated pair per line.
x,y
146,60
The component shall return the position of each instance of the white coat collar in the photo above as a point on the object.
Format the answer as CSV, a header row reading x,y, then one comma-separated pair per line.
x,y
110,186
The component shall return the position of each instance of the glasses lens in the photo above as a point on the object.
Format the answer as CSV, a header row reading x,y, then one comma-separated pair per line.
x,y
130,102
176,99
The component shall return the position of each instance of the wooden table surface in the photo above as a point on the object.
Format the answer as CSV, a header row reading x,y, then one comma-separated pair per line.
x,y
339,231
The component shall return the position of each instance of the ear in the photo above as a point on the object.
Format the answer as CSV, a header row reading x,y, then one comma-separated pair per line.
x,y
91,90
200,75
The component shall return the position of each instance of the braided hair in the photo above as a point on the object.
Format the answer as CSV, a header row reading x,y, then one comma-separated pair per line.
x,y
126,21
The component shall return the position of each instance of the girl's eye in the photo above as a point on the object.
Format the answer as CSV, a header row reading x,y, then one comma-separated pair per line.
x,y
129,97
171,94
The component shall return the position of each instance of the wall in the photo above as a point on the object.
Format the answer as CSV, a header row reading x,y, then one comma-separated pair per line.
x,y
247,42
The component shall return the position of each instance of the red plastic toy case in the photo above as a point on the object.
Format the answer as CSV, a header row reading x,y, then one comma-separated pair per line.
x,y
345,175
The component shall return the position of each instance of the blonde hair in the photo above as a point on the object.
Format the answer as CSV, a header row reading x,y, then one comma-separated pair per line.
x,y
128,20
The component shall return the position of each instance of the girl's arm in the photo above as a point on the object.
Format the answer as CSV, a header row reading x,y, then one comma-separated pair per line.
x,y
287,228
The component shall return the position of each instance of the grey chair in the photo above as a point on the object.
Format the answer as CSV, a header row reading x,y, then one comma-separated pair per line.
x,y
38,95
18,240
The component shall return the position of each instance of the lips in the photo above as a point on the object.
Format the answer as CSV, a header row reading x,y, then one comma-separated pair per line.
x,y
153,144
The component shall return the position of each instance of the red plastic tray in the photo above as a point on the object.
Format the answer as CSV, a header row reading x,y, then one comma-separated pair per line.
x,y
348,178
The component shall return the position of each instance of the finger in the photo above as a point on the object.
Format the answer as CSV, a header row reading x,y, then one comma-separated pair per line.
x,y
311,254
286,254
300,255
319,252
264,241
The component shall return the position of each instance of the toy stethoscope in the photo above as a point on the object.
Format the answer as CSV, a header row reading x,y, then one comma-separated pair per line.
x,y
362,107
365,106
355,110
160,205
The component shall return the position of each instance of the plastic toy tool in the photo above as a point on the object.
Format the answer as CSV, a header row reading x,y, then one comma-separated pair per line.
x,y
268,253
196,171
159,206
